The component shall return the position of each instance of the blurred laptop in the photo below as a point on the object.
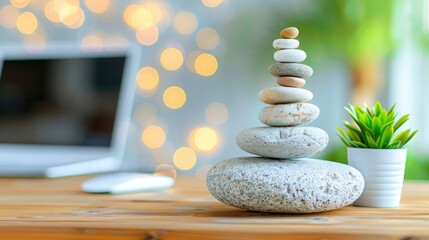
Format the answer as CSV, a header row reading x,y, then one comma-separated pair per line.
x,y
63,110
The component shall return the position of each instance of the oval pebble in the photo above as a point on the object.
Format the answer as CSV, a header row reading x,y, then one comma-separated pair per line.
x,y
290,69
286,115
290,55
285,43
278,95
291,81
290,32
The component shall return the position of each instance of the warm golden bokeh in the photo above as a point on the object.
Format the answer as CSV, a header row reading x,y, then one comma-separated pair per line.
x,y
203,139
205,64
138,17
147,36
27,23
20,3
97,6
50,12
92,42
216,114
171,59
207,39
147,78
74,20
9,16
174,97
155,11
212,3
185,23
153,136
184,158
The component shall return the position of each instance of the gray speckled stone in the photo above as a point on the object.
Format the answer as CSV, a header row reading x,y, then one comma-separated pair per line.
x,y
284,186
290,69
283,142
286,115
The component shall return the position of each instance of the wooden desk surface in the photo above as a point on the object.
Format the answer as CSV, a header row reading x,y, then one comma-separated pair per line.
x,y
57,209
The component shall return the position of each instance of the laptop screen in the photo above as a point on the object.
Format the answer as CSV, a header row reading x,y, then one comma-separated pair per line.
x,y
59,101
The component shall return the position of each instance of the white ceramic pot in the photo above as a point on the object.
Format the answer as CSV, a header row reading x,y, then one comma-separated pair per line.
x,y
383,171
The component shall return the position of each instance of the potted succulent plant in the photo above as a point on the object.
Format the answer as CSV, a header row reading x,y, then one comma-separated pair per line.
x,y
376,149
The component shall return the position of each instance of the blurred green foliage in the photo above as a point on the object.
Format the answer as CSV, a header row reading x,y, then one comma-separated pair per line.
x,y
417,167
352,30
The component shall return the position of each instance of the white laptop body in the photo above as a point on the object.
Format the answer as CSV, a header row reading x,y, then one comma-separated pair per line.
x,y
64,110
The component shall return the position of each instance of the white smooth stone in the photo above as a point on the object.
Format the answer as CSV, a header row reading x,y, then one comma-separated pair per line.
x,y
283,142
290,56
285,43
278,95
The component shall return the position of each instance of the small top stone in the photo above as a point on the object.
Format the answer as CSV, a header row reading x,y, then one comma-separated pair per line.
x,y
290,32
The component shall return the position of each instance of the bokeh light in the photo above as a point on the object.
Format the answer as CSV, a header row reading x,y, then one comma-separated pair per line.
x,y
97,6
216,114
184,158
27,23
211,3
171,59
74,19
165,170
155,11
9,16
50,12
153,136
147,78
20,3
203,139
147,36
205,64
207,39
145,114
92,42
185,23
174,97
138,17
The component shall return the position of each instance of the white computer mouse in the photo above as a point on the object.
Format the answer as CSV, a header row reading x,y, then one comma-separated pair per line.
x,y
126,182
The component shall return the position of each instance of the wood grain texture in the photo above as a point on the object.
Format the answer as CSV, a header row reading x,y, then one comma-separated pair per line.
x,y
57,209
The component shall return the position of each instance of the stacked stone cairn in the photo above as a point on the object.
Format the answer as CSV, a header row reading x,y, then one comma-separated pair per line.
x,y
284,178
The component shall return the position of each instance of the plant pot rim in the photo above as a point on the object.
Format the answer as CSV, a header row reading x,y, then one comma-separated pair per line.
x,y
378,149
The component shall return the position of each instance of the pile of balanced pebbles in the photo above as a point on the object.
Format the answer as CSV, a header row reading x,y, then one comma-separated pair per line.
x,y
283,178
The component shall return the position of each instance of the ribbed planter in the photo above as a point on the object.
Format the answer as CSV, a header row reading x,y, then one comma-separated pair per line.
x,y
383,172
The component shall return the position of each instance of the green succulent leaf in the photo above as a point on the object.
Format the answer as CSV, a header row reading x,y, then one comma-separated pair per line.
x,y
386,137
394,145
376,126
401,121
392,110
409,138
403,136
370,141
358,144
377,109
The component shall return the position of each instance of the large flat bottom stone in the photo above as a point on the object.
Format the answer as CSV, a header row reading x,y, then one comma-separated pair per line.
x,y
284,186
